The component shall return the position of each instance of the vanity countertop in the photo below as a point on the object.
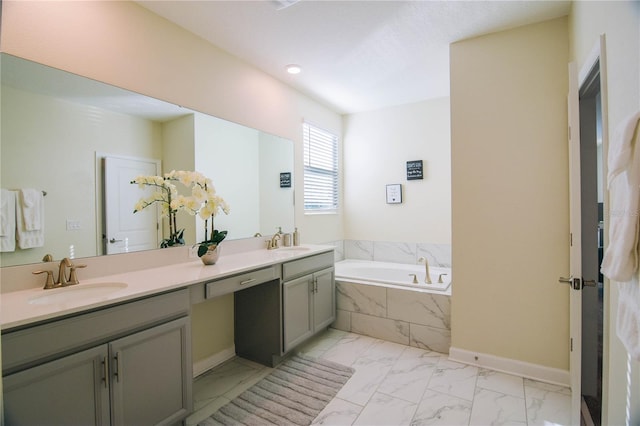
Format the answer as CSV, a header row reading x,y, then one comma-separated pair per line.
x,y
17,308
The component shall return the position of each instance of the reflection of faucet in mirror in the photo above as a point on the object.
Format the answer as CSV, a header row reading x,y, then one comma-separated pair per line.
x,y
427,276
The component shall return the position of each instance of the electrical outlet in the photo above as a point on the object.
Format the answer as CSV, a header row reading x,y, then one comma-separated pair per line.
x,y
73,225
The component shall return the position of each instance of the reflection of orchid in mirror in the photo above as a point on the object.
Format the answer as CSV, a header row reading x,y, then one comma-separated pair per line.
x,y
211,204
203,200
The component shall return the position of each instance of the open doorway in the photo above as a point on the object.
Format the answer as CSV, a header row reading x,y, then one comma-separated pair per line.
x,y
592,199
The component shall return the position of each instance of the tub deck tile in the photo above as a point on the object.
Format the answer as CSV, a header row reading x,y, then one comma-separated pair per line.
x,y
361,298
434,339
429,309
380,328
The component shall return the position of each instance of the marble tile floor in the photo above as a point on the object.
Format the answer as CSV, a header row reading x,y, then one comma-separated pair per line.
x,y
395,384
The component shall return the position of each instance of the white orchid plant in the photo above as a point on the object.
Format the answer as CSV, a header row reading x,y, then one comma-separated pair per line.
x,y
203,201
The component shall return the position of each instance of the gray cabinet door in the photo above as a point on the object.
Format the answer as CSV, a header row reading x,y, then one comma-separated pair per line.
x,y
151,375
297,311
68,391
324,305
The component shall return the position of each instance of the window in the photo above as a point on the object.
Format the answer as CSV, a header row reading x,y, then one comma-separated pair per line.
x,y
320,170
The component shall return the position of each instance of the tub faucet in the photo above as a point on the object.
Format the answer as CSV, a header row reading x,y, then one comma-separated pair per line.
x,y
427,276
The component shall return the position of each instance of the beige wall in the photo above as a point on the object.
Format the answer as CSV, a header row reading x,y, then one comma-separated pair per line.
x,y
123,44
510,194
620,23
377,145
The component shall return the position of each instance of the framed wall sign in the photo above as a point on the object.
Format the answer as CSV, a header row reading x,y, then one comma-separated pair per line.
x,y
414,170
394,193
285,180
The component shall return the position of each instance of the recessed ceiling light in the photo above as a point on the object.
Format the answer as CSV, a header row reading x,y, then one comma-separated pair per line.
x,y
293,69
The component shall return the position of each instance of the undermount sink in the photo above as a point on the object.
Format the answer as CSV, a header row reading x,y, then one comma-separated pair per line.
x,y
76,293
295,248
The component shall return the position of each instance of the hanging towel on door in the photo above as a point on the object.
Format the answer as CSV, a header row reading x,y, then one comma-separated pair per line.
x,y
628,320
620,260
7,220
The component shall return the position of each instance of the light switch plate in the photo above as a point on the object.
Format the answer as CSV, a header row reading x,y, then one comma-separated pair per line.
x,y
73,225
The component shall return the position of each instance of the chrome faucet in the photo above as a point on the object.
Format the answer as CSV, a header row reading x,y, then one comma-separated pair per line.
x,y
273,242
427,276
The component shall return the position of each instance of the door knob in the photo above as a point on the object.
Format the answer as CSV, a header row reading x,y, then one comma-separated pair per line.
x,y
577,283
113,240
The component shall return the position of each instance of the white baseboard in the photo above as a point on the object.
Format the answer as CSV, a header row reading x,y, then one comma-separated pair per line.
x,y
538,372
206,364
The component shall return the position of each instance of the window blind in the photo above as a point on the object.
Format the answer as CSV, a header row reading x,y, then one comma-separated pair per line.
x,y
320,170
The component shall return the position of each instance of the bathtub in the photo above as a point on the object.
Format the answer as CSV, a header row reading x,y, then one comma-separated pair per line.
x,y
393,274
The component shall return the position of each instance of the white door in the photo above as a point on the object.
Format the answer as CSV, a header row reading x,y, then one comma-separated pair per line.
x,y
575,250
125,231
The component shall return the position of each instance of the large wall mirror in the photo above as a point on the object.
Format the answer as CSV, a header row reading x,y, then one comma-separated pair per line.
x,y
60,131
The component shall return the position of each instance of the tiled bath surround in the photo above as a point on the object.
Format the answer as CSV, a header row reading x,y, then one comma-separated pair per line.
x,y
384,251
402,316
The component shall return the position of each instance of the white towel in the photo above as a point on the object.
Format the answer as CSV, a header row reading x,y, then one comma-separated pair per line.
x,y
628,320
7,220
621,147
26,238
620,261
32,204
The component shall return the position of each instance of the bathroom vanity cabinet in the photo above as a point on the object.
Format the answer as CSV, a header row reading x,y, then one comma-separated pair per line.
x,y
308,298
121,365
128,361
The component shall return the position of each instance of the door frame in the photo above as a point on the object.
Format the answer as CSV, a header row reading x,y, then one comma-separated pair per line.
x,y
575,245
597,55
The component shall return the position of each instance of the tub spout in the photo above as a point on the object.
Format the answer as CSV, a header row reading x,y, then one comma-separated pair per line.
x,y
427,276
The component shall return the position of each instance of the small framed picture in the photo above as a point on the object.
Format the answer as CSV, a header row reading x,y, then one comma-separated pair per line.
x,y
285,180
394,193
414,170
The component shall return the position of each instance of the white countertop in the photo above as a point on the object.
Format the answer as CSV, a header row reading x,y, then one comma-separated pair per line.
x,y
16,309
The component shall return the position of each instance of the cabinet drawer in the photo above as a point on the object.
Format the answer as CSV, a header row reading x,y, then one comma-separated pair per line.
x,y
238,282
297,268
34,345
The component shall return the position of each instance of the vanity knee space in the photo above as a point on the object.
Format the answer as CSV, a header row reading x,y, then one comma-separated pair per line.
x,y
276,308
